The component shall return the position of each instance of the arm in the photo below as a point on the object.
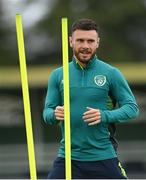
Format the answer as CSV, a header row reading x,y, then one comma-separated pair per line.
x,y
53,100
127,107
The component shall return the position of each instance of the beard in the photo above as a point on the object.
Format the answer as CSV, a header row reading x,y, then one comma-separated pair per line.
x,y
84,55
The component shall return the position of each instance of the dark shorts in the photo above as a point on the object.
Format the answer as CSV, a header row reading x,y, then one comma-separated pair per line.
x,y
105,169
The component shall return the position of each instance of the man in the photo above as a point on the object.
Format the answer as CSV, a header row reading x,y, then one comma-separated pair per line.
x,y
94,89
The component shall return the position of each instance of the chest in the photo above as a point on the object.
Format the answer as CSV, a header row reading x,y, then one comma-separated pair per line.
x,y
87,84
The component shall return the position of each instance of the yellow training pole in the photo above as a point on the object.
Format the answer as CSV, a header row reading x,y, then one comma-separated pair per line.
x,y
66,99
26,100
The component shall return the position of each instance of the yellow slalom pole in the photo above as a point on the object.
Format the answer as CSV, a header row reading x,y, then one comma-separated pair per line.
x,y
66,98
26,100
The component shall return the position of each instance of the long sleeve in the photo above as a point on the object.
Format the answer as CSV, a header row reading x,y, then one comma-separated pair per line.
x,y
52,100
127,106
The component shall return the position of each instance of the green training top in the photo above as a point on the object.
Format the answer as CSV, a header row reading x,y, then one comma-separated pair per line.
x,y
90,87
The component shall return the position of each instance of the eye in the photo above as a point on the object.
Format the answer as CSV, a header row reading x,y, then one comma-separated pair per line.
x,y
80,40
91,41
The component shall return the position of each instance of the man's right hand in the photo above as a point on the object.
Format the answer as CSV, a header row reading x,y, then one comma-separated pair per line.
x,y
59,113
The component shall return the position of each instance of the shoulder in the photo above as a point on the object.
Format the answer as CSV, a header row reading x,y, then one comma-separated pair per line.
x,y
108,67
59,70
57,74
105,65
113,74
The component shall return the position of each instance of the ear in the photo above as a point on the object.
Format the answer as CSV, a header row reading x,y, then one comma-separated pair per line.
x,y
98,41
70,41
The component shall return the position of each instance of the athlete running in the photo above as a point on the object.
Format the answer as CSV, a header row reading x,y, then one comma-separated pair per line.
x,y
95,88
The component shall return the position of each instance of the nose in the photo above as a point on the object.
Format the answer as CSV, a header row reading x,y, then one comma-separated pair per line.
x,y
85,45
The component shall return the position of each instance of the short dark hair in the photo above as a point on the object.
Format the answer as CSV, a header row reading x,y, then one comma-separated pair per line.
x,y
85,24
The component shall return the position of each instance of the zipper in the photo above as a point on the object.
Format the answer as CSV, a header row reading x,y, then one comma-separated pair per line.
x,y
83,78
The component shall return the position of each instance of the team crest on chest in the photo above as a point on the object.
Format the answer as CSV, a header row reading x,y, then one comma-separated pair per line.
x,y
100,80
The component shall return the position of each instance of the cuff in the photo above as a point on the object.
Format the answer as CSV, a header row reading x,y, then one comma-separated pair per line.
x,y
103,117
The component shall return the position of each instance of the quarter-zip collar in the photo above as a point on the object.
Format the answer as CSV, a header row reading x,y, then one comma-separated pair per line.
x,y
89,65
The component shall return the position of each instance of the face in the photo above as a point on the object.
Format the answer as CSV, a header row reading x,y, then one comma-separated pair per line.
x,y
84,44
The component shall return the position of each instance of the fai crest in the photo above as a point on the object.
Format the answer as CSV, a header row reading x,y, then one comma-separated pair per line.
x,y
100,80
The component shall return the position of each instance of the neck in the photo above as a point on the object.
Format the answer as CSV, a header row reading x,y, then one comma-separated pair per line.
x,y
80,63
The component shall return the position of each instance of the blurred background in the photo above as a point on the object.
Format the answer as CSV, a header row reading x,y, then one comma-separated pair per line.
x,y
123,44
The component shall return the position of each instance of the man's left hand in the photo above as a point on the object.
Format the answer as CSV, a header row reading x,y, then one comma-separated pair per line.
x,y
92,116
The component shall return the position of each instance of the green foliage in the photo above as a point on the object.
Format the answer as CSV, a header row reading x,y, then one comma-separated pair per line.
x,y
122,24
